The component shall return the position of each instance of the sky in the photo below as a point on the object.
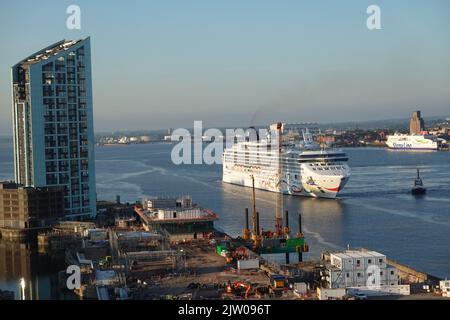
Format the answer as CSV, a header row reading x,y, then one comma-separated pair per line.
x,y
166,63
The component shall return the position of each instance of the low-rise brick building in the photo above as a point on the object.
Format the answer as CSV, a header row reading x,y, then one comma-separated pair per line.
x,y
28,207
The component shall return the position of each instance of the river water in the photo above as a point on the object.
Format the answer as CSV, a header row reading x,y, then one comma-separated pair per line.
x,y
375,210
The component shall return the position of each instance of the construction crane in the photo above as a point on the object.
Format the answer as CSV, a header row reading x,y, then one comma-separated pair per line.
x,y
279,208
287,230
246,232
280,240
256,237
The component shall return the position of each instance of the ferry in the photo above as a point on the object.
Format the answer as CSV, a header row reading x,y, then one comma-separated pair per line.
x,y
412,142
303,169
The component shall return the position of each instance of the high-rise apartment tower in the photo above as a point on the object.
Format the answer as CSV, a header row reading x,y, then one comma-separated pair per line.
x,y
53,123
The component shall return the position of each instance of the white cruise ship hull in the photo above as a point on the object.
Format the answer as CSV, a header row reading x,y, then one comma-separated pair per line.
x,y
310,183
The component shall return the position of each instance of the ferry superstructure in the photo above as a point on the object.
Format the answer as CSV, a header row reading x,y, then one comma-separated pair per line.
x,y
292,169
412,142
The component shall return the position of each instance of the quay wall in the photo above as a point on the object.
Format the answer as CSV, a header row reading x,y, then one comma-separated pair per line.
x,y
410,275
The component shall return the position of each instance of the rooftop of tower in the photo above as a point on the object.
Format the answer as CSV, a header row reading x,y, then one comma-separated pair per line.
x,y
50,51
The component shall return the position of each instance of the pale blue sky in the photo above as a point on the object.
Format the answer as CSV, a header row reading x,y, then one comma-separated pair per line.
x,y
165,63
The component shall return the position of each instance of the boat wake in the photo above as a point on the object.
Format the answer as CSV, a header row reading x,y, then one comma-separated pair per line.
x,y
409,214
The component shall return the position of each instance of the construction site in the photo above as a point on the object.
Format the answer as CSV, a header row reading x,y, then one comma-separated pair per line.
x,y
168,248
127,260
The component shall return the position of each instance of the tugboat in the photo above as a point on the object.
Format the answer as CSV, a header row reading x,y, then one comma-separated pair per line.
x,y
418,188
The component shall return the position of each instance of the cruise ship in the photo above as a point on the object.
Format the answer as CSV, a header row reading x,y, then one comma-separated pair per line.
x,y
412,142
296,169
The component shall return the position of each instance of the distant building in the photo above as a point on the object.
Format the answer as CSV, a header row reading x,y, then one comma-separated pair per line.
x,y
327,139
146,138
53,124
416,124
124,140
27,207
301,128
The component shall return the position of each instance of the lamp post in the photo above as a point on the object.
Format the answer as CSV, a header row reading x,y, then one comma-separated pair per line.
x,y
22,287
183,256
